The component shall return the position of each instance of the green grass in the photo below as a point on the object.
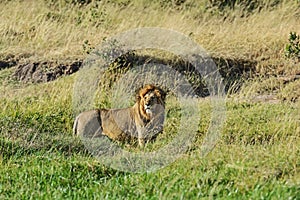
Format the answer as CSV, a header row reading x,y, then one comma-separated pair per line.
x,y
256,157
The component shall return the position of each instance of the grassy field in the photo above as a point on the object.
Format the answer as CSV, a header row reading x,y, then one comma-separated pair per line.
x,y
257,155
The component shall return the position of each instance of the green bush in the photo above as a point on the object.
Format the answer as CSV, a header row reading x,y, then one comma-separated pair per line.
x,y
292,49
246,6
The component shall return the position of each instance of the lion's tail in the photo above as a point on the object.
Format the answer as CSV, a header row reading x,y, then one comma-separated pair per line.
x,y
75,125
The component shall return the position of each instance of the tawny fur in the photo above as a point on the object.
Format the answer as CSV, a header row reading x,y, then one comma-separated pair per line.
x,y
144,120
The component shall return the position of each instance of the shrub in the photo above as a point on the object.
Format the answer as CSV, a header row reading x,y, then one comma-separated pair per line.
x,y
245,6
292,49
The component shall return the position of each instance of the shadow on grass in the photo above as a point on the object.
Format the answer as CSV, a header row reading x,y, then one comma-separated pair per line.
x,y
233,71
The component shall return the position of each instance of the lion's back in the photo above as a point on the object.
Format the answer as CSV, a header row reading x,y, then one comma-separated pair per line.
x,y
118,124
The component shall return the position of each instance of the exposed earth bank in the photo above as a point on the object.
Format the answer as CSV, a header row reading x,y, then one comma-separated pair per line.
x,y
234,71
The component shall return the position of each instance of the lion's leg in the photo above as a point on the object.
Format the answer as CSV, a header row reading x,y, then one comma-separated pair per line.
x,y
141,138
141,142
75,131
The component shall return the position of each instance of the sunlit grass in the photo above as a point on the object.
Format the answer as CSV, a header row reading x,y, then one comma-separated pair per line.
x,y
257,152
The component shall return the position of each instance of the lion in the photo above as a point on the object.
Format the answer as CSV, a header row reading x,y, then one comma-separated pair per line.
x,y
144,120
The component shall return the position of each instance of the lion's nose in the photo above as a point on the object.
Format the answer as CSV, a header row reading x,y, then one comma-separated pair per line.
x,y
151,99
150,102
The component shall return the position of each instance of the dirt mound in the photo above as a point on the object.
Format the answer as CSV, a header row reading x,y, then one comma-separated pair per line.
x,y
8,61
231,70
6,64
38,72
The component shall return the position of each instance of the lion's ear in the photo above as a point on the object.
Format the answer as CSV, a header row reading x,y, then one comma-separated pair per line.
x,y
162,94
137,94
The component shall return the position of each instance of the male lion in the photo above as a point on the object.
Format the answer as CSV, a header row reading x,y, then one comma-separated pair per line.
x,y
144,120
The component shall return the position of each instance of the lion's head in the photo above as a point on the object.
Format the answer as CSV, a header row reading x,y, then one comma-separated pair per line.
x,y
151,101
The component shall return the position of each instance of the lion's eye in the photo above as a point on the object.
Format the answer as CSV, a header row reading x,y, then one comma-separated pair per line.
x,y
147,96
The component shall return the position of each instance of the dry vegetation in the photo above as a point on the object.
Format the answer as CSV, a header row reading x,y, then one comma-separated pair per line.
x,y
54,30
36,31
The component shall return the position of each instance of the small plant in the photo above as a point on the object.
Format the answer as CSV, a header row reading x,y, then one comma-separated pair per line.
x,y
292,49
246,7
87,47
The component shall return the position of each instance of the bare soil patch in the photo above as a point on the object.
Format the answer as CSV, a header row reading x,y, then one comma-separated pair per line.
x,y
45,71
234,72
38,72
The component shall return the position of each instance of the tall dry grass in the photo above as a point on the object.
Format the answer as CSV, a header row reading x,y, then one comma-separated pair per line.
x,y
41,30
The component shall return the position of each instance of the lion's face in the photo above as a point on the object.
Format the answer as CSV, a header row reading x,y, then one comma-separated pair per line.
x,y
151,100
